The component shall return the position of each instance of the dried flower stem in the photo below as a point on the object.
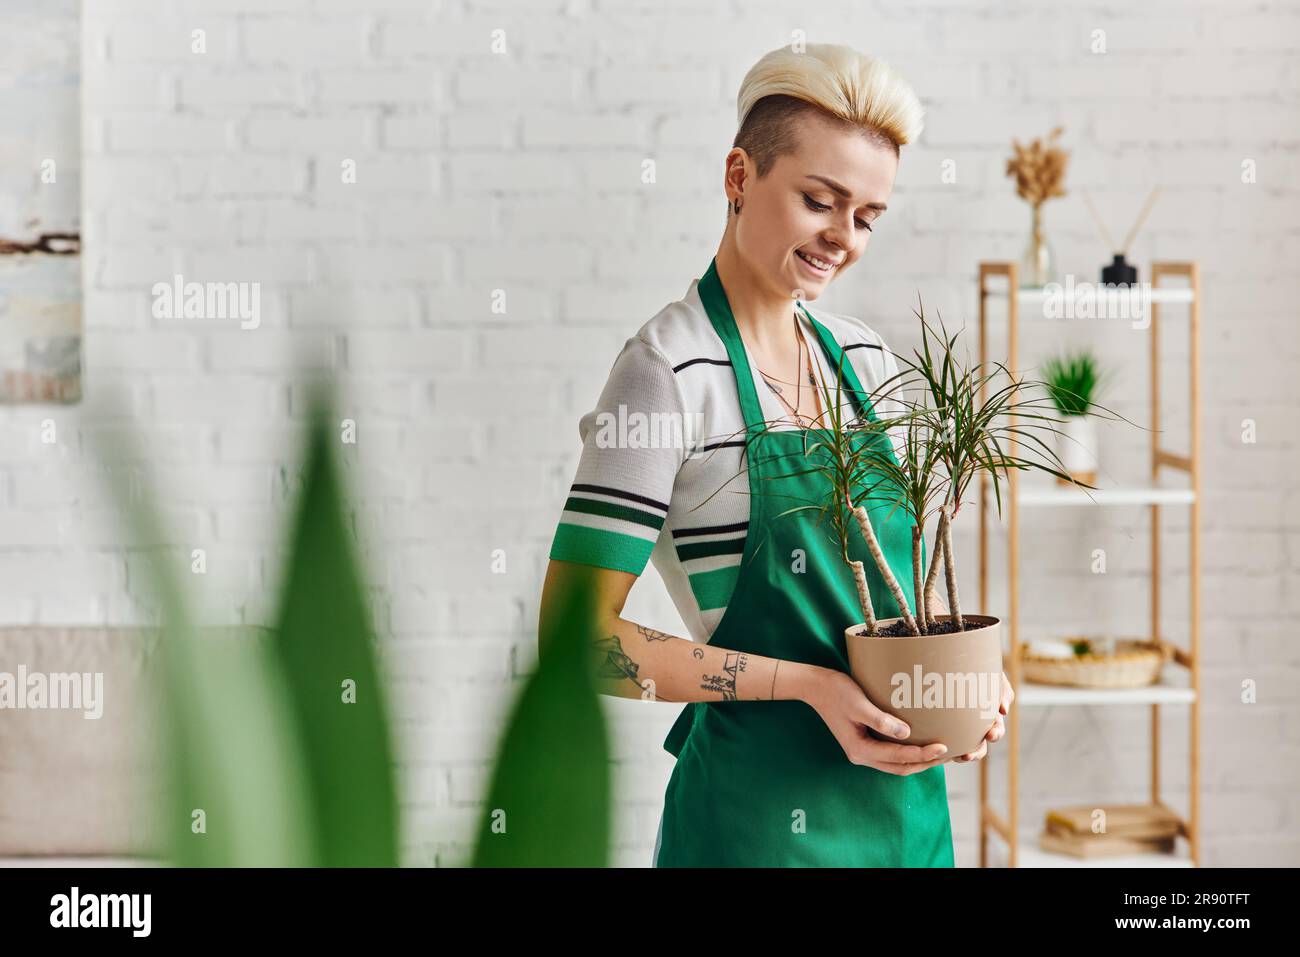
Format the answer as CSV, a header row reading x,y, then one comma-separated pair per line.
x,y
1039,169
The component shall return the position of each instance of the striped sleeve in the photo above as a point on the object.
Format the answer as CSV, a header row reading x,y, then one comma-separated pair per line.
x,y
631,450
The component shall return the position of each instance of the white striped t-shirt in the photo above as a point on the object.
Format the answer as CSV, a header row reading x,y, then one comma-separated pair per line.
x,y
661,475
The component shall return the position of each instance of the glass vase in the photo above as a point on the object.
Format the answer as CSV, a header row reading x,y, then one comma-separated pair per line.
x,y
1038,265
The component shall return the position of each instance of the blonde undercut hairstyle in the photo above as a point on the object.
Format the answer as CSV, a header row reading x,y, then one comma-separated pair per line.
x,y
837,82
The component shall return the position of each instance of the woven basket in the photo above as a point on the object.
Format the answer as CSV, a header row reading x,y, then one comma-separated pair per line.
x,y
1134,664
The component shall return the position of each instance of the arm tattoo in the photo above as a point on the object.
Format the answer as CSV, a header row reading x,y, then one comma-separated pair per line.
x,y
649,634
726,682
612,662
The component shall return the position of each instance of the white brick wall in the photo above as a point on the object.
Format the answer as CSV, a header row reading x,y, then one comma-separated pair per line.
x,y
478,172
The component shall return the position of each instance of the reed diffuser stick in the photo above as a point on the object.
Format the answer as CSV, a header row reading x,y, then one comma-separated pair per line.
x,y
1105,233
1141,218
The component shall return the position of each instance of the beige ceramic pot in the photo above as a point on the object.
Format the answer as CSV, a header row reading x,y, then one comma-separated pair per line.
x,y
946,687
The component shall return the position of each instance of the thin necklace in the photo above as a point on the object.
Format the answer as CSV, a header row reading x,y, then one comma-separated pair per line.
x,y
800,341
794,411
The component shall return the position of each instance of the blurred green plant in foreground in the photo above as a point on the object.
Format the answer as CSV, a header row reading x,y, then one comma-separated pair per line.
x,y
549,801
277,742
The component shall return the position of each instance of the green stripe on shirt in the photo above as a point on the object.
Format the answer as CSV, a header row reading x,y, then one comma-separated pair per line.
x,y
601,547
713,589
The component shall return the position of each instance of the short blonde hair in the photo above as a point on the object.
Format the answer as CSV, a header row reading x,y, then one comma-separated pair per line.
x,y
839,81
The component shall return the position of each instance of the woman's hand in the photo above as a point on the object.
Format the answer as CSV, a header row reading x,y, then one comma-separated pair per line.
x,y
999,726
848,712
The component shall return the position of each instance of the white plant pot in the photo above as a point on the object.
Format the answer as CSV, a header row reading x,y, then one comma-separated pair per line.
x,y
1076,445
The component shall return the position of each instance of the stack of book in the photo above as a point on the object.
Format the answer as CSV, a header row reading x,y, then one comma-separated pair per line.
x,y
1099,830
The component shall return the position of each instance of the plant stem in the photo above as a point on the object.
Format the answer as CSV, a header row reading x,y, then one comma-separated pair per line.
x,y
954,603
895,589
932,576
864,596
917,588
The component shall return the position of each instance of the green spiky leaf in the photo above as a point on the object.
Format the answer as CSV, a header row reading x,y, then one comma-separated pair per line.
x,y
237,793
326,648
548,803
1072,380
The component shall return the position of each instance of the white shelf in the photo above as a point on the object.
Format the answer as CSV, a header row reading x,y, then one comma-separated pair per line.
x,y
1165,295
1037,695
1027,307
1029,854
1035,495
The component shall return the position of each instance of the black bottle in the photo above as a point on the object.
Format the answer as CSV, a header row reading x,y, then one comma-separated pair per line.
x,y
1119,272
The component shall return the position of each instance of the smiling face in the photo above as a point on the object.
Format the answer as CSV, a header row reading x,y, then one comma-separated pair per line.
x,y
811,217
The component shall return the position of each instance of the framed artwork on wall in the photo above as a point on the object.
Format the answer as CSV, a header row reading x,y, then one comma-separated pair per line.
x,y
40,202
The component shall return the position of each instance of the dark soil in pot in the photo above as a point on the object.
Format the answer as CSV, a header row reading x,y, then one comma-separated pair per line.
x,y
899,629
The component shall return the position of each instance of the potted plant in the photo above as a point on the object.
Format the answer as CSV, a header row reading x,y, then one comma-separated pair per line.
x,y
941,673
1072,381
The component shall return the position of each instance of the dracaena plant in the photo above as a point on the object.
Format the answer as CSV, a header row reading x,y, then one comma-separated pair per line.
x,y
938,424
958,421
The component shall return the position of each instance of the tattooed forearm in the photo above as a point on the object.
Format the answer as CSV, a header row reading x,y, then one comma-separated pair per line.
x,y
646,658
612,662
726,682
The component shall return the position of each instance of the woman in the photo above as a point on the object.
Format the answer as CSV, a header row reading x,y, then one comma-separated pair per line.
x,y
781,758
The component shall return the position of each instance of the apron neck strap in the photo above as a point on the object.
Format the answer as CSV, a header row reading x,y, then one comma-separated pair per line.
x,y
841,366
861,401
715,302
716,305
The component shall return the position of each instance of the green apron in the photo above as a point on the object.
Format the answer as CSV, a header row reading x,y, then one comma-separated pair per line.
x,y
765,783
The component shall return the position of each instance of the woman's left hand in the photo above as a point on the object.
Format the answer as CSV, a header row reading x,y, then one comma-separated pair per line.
x,y
999,725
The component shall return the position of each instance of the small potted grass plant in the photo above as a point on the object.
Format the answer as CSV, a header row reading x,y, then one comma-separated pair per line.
x,y
1072,381
946,424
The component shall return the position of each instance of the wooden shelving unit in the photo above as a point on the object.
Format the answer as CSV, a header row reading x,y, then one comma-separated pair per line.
x,y
1180,685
